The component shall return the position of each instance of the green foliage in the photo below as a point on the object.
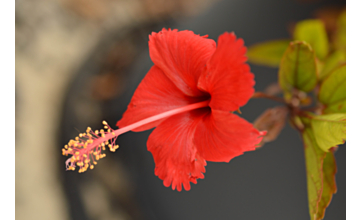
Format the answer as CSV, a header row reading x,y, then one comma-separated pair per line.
x,y
335,60
298,68
332,91
313,32
268,53
329,130
312,64
320,171
340,35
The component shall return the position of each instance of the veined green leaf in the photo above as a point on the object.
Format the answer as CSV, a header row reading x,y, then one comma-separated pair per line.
x,y
329,130
332,62
267,53
313,32
329,183
332,91
298,68
320,172
337,107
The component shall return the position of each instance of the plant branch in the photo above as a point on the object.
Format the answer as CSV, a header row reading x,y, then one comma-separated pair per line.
x,y
274,98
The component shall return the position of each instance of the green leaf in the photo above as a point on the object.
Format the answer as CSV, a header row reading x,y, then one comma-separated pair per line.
x,y
332,62
329,130
319,65
338,107
340,35
298,68
313,32
267,53
332,91
329,183
320,172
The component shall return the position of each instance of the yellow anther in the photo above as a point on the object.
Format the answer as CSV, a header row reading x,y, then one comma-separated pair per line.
x,y
81,147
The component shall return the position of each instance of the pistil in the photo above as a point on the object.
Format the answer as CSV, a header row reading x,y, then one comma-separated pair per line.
x,y
88,147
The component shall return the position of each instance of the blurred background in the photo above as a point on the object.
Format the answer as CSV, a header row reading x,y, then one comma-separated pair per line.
x,y
78,62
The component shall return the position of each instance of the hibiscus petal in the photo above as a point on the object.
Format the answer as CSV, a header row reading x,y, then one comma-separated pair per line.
x,y
154,95
223,136
176,159
227,77
182,56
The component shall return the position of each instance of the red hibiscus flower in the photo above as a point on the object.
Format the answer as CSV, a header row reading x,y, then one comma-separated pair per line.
x,y
189,96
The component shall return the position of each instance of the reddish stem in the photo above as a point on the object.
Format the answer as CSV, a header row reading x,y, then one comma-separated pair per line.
x,y
263,95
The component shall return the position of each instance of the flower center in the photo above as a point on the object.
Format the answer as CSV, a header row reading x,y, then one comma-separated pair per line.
x,y
87,148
